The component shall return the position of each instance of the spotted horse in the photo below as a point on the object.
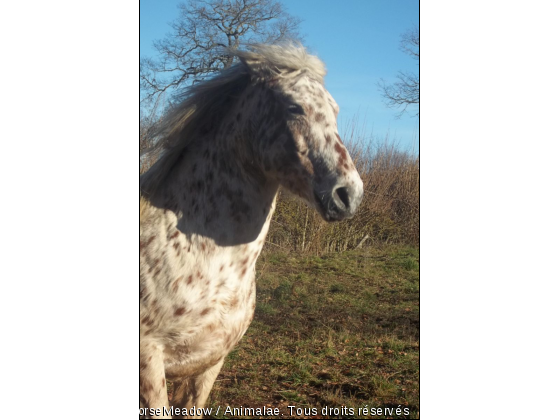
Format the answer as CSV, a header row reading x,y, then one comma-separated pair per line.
x,y
206,205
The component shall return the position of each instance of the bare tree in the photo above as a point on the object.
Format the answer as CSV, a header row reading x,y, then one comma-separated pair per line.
x,y
406,90
204,28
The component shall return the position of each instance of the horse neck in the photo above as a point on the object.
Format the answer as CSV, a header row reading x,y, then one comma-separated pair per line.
x,y
218,193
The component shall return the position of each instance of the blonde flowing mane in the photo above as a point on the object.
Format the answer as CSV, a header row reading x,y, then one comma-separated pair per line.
x,y
201,107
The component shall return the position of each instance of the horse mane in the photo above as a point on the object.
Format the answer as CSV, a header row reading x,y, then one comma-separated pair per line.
x,y
200,108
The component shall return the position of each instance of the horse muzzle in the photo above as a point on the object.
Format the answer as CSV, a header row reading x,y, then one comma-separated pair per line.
x,y
340,202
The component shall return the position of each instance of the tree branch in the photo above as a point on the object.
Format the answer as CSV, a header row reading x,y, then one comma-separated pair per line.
x,y
193,51
406,90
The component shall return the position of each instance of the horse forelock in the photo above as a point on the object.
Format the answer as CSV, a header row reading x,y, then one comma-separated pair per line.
x,y
277,60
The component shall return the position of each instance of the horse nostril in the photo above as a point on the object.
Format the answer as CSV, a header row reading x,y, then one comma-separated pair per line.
x,y
342,194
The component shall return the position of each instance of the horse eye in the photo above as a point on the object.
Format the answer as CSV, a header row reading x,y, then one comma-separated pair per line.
x,y
296,109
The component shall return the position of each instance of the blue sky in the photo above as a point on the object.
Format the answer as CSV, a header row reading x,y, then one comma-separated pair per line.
x,y
357,39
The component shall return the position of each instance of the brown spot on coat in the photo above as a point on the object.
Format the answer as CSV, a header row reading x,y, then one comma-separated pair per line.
x,y
176,284
340,150
148,242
